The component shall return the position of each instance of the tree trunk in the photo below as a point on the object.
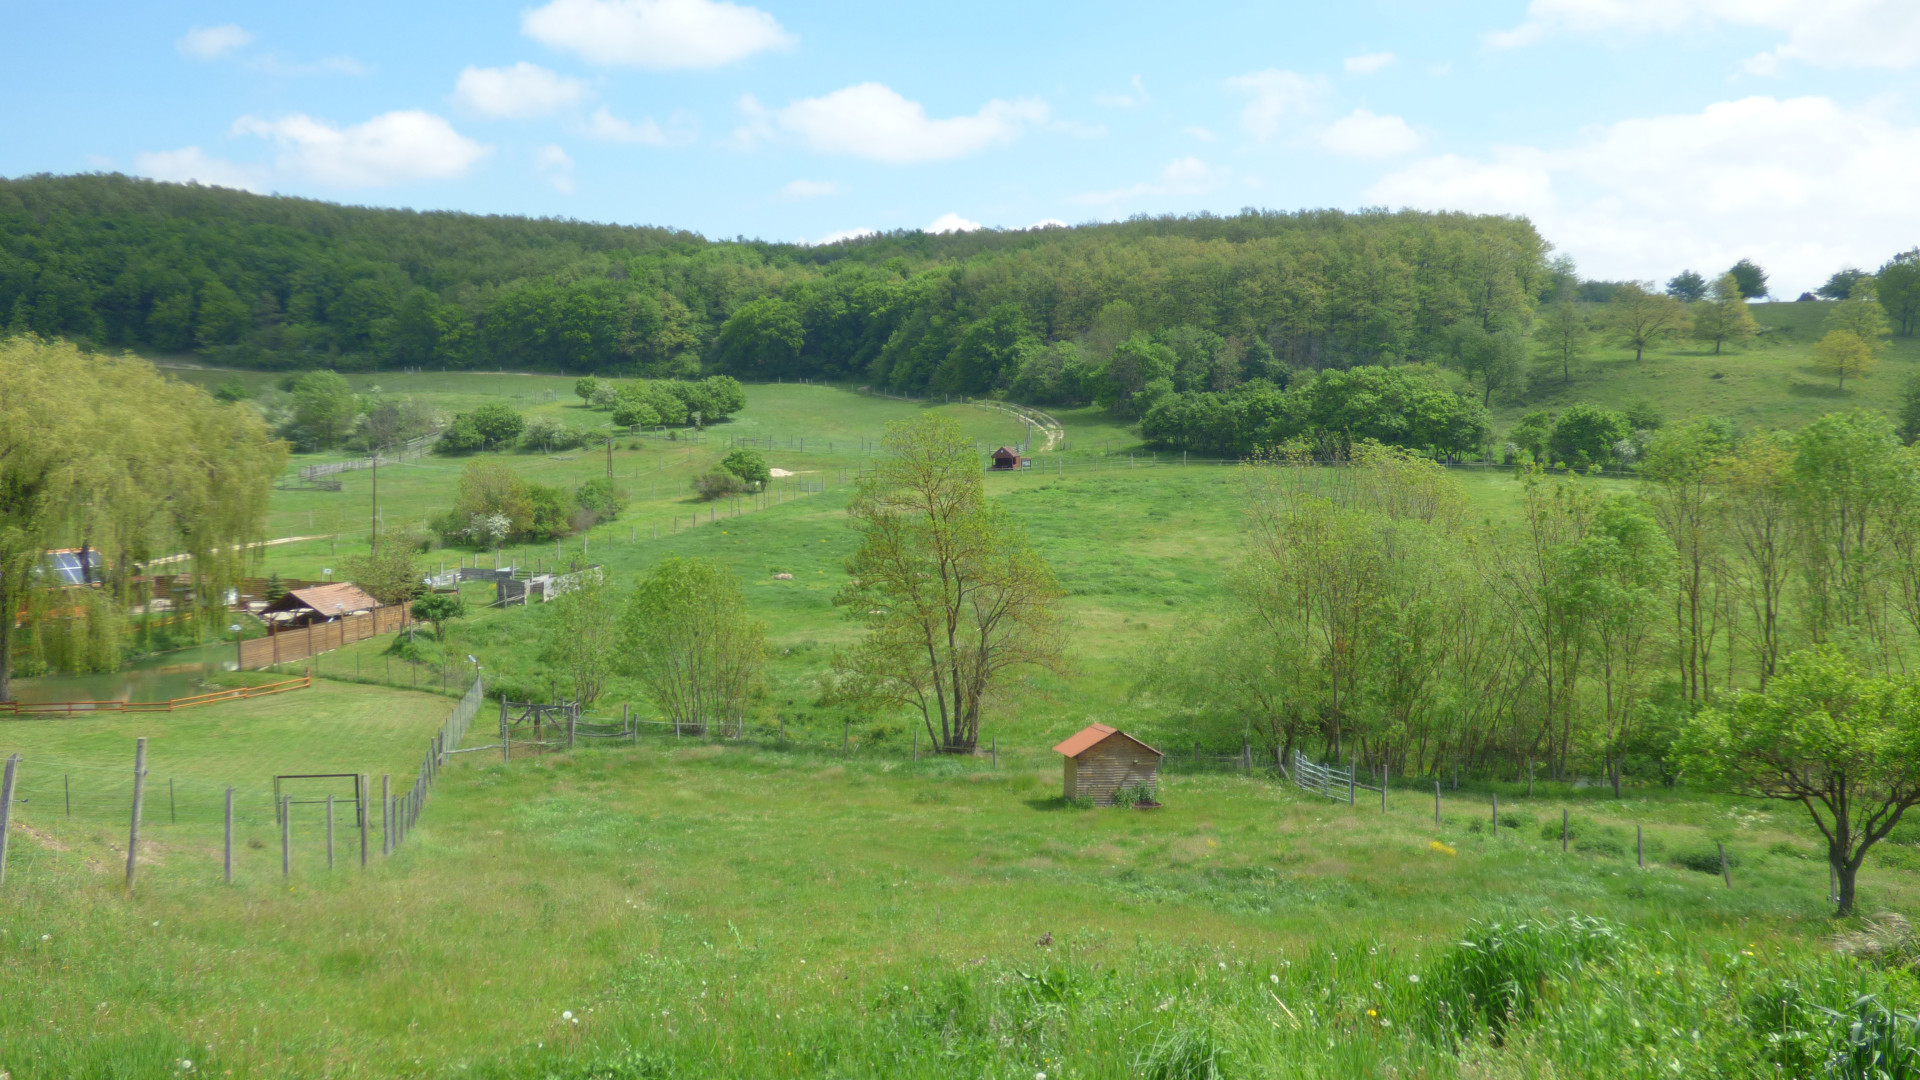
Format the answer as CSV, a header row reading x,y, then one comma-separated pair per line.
x,y
6,647
1844,870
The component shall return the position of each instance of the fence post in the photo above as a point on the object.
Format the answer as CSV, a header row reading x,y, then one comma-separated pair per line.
x,y
286,837
995,750
1436,804
916,743
360,810
1496,813
329,830
571,717
846,737
139,789
1351,763
1725,874
1563,830
1529,778
386,814
1246,756
227,846
1640,846
1384,766
6,811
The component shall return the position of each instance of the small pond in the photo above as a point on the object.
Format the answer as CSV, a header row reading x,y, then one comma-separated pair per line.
x,y
182,673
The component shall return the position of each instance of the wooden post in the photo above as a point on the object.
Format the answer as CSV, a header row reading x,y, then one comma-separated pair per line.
x,y
1436,804
286,837
360,811
329,831
1456,774
1496,813
6,811
226,854
1246,756
916,744
386,813
1383,785
139,790
1351,763
1725,874
1563,830
1640,846
572,715
1529,778
994,744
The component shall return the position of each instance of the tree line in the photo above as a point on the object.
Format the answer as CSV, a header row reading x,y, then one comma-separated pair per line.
x,y
273,282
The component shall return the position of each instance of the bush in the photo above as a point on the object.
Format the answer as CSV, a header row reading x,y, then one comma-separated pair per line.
x,y
548,433
749,465
460,437
1514,819
1703,860
600,497
717,484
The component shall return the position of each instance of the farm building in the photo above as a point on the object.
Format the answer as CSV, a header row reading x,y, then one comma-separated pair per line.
x,y
319,603
1006,458
1101,760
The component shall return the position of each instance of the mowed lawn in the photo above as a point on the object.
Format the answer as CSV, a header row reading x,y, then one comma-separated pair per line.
x,y
751,912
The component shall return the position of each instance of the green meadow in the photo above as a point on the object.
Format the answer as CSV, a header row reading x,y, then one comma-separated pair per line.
x,y
779,907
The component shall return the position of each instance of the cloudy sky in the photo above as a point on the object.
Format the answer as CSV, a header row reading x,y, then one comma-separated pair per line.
x,y
1642,136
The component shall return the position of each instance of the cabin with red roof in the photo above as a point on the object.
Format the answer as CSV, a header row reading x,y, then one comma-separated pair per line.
x,y
1101,760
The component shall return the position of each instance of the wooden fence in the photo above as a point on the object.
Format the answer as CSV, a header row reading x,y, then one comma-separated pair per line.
x,y
1329,780
290,645
71,708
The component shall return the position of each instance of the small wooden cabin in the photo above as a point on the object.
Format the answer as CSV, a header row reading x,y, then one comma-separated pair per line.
x,y
1101,760
1006,458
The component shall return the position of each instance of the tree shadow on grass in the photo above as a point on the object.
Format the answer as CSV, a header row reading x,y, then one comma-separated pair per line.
x,y
1059,802
1815,390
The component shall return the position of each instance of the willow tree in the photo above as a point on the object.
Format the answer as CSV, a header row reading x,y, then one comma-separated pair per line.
x,y
951,593
687,637
107,455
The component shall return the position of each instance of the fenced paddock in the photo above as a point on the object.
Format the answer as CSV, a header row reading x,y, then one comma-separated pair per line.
x,y
74,782
49,709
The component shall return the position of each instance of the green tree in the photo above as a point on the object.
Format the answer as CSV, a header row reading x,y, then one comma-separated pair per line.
x,y
439,609
1844,354
1846,487
1840,285
749,465
1565,336
763,338
1640,319
1588,435
497,424
585,387
1724,319
1533,434
950,593
323,409
1842,745
1751,279
389,573
1898,287
1616,577
1909,412
600,497
1680,488
1134,363
583,633
688,638
1687,287
1862,315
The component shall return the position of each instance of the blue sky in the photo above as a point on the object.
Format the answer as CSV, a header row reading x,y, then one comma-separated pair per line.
x,y
1642,136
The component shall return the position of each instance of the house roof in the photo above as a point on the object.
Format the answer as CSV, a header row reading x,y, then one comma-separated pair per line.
x,y
1093,735
336,599
1007,451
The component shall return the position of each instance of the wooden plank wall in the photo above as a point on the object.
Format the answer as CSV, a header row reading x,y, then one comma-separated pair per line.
x,y
322,637
1114,764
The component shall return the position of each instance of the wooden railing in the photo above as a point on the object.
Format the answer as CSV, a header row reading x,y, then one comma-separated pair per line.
x,y
71,708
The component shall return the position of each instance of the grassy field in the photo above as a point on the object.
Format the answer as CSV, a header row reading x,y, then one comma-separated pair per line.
x,y
703,911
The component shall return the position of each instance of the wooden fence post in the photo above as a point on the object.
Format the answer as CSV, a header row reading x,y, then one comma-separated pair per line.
x,y
1351,763
226,848
386,813
916,744
139,790
1640,846
360,811
1383,784
572,715
1246,756
995,749
1529,778
329,830
1563,830
286,837
1725,874
1436,804
1496,813
6,811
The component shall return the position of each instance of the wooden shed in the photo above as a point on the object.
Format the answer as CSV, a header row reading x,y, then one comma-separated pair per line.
x,y
317,604
1101,760
1006,458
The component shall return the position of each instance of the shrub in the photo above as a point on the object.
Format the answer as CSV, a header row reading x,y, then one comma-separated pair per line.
x,y
749,465
549,433
600,497
1704,860
717,484
1514,819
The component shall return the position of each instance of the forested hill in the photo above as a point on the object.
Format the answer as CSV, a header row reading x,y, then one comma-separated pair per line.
x,y
260,281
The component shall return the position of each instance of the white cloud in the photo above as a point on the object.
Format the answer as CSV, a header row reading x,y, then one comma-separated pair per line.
x,y
951,222
1827,33
516,92
1370,63
1275,95
809,189
1048,223
1802,185
680,129
392,148
841,236
1182,176
191,164
212,42
555,166
658,34
1125,101
871,121
1362,134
